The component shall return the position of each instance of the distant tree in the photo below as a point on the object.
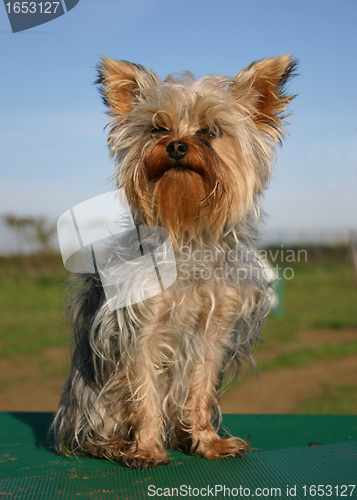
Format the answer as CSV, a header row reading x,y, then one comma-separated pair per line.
x,y
35,230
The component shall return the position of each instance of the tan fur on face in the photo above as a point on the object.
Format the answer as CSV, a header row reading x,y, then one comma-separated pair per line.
x,y
215,186
181,194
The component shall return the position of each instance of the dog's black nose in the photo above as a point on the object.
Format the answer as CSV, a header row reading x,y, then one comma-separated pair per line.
x,y
177,150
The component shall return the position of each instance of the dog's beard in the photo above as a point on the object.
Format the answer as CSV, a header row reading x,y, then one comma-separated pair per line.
x,y
180,196
184,194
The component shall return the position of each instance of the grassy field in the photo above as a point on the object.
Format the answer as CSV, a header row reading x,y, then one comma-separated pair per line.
x,y
307,364
30,298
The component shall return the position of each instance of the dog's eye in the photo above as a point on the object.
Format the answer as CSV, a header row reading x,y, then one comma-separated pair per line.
x,y
159,130
208,132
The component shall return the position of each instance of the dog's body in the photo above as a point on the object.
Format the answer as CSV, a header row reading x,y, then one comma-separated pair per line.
x,y
193,157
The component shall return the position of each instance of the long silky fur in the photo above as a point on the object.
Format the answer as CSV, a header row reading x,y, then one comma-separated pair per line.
x,y
105,341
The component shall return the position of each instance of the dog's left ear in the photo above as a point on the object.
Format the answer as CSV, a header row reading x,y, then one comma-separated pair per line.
x,y
121,82
261,87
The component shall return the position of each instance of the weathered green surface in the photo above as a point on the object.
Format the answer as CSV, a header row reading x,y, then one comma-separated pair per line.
x,y
29,468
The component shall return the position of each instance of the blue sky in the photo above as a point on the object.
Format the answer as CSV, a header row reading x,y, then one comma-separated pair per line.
x,y
53,154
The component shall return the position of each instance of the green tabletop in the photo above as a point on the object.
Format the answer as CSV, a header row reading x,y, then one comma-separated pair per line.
x,y
290,454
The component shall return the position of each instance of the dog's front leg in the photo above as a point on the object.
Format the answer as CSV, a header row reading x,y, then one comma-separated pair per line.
x,y
203,439
145,418
213,336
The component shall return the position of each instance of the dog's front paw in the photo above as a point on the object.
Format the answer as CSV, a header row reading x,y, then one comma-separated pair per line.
x,y
223,448
220,448
132,455
142,458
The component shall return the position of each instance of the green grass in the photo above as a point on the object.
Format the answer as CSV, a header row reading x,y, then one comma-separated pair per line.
x,y
333,399
320,296
307,356
30,310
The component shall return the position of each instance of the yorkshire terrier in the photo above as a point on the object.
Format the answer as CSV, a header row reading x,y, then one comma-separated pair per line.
x,y
193,157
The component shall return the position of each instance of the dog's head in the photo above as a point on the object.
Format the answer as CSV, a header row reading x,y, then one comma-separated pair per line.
x,y
191,155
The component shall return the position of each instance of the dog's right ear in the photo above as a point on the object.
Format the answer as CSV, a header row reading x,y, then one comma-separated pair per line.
x,y
121,82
